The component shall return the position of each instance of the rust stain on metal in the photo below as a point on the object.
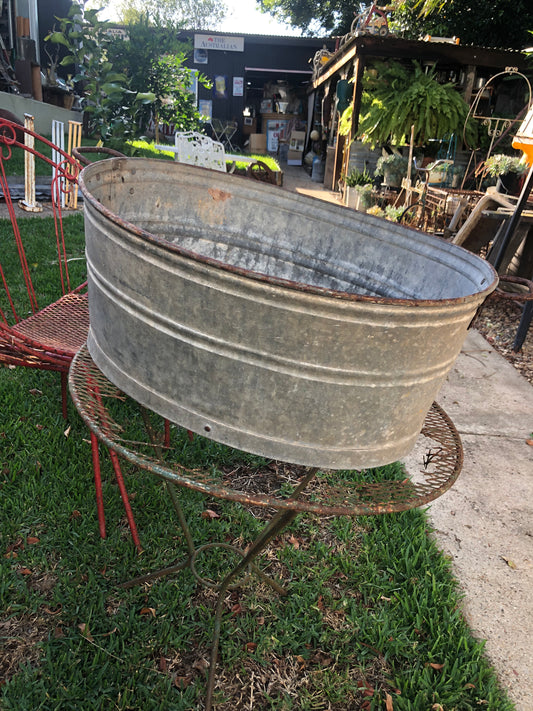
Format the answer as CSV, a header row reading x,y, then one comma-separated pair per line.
x,y
219,195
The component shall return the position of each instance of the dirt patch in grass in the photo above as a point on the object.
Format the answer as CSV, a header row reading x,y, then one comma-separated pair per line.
x,y
21,637
280,682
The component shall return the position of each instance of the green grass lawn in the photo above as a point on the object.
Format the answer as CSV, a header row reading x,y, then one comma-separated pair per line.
x,y
137,148
372,621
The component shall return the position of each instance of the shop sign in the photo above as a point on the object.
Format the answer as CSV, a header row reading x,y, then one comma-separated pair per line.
x,y
226,44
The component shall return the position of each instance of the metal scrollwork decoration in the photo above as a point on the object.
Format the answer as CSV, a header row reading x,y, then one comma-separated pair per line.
x,y
496,126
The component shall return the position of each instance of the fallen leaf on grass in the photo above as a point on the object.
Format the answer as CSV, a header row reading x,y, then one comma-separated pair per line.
x,y
322,658
365,688
295,543
84,629
182,682
12,547
210,514
108,634
236,609
25,571
67,431
34,391
250,647
200,664
31,540
436,666
388,702
147,611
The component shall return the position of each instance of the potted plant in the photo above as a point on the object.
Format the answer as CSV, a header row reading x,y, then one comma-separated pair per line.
x,y
438,174
507,170
397,97
363,196
393,168
357,183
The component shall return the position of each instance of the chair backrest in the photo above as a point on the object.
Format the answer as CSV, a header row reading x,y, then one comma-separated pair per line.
x,y
35,255
196,149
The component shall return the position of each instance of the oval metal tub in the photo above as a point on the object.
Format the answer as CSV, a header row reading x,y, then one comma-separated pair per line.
x,y
273,322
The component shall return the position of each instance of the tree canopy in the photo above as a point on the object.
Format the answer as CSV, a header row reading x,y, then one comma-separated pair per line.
x,y
189,14
123,82
500,23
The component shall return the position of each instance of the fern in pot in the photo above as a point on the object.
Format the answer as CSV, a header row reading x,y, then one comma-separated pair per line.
x,y
397,97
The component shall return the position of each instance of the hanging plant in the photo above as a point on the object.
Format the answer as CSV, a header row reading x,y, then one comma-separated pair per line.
x,y
396,97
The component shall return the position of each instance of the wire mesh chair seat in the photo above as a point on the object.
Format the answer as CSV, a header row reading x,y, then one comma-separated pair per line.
x,y
38,269
194,148
56,332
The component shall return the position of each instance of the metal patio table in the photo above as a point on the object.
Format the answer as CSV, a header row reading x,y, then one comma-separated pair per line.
x,y
100,404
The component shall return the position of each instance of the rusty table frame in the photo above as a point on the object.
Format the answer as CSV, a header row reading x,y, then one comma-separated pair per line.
x,y
442,464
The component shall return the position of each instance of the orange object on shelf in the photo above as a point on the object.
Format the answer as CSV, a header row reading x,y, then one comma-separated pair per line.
x,y
523,140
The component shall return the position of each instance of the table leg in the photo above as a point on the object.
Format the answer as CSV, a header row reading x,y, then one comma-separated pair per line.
x,y
280,521
192,551
523,326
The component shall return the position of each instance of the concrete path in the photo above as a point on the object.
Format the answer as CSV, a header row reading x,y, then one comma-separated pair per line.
x,y
485,522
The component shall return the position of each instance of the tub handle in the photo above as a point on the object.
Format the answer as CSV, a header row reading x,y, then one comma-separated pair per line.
x,y
78,153
514,296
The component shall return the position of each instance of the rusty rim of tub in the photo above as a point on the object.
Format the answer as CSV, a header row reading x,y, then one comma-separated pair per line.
x,y
331,493
218,193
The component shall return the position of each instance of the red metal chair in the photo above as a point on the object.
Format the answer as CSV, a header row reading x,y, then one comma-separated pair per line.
x,y
35,335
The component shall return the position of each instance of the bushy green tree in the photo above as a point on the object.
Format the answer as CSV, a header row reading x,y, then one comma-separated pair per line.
x,y
172,85
500,23
189,14
119,78
102,88
154,61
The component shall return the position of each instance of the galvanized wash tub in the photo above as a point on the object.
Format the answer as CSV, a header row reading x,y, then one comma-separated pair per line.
x,y
273,322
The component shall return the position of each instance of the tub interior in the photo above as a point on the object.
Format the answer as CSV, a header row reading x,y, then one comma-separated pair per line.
x,y
267,231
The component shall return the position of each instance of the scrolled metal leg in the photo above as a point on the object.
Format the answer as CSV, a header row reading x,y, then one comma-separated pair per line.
x,y
280,521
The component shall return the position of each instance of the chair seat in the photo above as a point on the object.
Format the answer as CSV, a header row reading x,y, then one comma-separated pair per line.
x,y
61,327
